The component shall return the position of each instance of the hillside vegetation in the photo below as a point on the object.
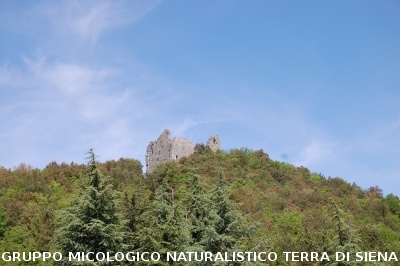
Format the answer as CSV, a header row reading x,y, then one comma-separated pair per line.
x,y
236,200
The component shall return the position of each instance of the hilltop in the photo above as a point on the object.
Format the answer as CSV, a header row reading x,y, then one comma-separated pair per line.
x,y
291,208
292,204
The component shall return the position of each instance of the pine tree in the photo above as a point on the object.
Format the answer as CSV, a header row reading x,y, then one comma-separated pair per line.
x,y
230,229
169,231
230,225
202,217
216,225
347,240
91,224
136,212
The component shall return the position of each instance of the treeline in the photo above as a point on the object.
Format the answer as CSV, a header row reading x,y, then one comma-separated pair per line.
x,y
238,200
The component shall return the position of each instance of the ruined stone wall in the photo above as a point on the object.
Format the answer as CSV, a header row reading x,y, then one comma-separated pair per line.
x,y
158,151
213,143
164,149
181,147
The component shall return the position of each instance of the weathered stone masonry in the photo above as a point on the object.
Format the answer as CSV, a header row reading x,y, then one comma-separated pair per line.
x,y
165,149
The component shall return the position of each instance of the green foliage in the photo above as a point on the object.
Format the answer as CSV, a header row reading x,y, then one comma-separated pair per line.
x,y
230,224
91,224
202,217
394,203
291,223
124,173
346,240
170,231
202,149
2,222
206,202
18,238
291,204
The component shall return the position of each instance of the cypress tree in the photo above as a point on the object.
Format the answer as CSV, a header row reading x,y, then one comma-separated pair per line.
x,y
91,224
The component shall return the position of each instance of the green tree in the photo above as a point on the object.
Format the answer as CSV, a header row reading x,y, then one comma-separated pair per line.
x,y
346,240
134,213
394,203
202,217
2,222
91,224
170,231
230,225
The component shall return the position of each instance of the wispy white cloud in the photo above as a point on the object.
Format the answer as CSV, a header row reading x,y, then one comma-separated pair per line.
x,y
361,157
87,20
318,151
73,103
67,97
69,78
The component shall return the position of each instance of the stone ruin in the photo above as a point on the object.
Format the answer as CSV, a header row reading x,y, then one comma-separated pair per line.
x,y
165,149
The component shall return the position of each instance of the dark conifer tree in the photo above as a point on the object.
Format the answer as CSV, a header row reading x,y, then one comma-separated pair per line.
x,y
202,217
230,225
346,240
91,224
170,230
137,220
231,229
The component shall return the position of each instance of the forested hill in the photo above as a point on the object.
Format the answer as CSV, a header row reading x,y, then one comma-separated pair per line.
x,y
265,201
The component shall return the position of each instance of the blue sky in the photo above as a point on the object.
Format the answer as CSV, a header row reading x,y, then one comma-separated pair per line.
x,y
312,83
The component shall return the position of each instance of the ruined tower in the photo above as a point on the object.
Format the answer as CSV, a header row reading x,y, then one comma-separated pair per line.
x,y
165,149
